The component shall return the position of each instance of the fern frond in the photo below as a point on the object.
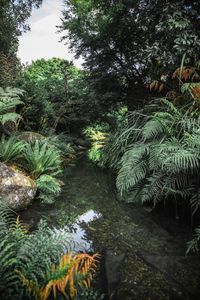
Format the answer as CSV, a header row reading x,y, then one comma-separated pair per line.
x,y
9,99
10,149
194,244
134,167
41,158
154,129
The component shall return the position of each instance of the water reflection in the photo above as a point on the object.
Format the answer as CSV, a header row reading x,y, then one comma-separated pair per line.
x,y
78,232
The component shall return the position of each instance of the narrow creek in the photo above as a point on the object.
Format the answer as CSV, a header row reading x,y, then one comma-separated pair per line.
x,y
146,261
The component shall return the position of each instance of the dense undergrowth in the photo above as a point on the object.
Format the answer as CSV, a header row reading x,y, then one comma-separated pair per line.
x,y
42,264
155,150
139,112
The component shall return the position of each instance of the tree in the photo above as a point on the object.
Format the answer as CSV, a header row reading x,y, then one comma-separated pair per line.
x,y
58,93
13,17
134,40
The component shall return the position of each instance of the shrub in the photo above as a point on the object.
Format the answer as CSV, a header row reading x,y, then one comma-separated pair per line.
x,y
41,158
98,134
10,149
157,155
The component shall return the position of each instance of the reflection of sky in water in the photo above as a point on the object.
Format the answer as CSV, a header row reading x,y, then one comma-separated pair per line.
x,y
79,234
89,216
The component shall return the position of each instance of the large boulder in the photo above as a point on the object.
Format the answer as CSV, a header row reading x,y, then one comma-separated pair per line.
x,y
16,189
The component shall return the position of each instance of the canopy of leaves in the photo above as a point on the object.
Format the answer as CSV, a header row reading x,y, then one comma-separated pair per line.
x,y
13,16
134,40
58,93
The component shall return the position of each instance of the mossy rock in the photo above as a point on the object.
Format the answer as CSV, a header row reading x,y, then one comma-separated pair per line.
x,y
16,189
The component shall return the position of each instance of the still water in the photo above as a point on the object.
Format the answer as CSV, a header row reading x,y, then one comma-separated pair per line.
x,y
155,266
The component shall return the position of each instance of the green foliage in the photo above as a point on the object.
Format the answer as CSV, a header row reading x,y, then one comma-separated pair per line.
x,y
101,132
10,149
98,134
194,244
33,256
48,187
9,65
95,154
131,41
96,131
59,141
57,93
9,99
157,155
41,158
13,16
13,21
118,116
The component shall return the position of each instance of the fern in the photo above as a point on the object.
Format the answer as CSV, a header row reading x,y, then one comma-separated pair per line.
x,y
48,187
41,158
59,141
176,157
10,149
72,271
155,128
32,254
9,99
157,155
194,244
134,168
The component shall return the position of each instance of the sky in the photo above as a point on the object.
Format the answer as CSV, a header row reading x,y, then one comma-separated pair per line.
x,y
43,41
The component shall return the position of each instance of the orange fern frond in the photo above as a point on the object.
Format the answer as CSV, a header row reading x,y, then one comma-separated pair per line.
x,y
196,92
184,73
71,271
156,86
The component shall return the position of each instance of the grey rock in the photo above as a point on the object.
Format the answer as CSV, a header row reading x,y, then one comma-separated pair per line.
x,y
16,189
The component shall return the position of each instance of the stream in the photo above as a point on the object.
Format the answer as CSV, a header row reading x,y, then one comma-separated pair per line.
x,y
146,259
